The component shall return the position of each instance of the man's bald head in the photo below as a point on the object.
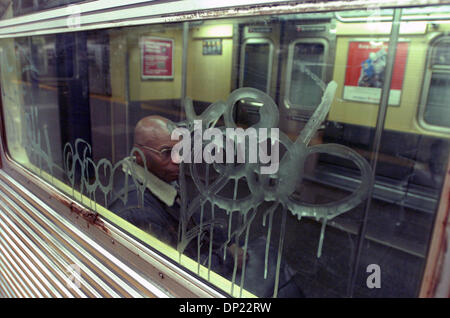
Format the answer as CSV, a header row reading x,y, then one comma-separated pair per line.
x,y
155,132
150,129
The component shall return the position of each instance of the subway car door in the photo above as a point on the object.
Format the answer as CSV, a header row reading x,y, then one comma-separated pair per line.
x,y
307,67
258,67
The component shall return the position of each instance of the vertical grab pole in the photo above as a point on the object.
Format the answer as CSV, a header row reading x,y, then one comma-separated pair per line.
x,y
381,118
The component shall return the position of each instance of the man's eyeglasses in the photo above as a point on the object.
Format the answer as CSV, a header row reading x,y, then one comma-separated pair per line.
x,y
165,153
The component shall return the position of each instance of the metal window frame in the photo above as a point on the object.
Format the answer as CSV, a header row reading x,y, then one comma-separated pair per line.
x,y
269,65
290,61
429,71
106,14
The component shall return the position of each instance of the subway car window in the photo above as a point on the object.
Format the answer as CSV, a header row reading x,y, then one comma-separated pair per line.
x,y
307,57
248,150
257,65
437,110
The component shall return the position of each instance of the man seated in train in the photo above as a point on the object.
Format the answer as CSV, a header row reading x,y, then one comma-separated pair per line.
x,y
158,212
157,209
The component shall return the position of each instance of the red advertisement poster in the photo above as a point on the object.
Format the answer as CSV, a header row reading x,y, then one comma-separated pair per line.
x,y
364,77
156,58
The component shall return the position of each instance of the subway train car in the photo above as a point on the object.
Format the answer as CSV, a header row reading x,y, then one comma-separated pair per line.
x,y
356,92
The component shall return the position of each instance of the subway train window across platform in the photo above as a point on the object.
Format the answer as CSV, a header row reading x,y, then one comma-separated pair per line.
x,y
301,190
304,91
257,68
436,109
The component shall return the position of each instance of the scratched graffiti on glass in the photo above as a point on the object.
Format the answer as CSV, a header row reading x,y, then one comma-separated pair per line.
x,y
276,189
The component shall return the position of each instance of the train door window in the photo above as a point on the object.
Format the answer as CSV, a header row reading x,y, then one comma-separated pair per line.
x,y
435,109
255,72
305,73
256,64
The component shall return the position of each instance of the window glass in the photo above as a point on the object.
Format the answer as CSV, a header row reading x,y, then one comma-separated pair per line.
x,y
441,53
307,65
437,110
256,65
94,112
